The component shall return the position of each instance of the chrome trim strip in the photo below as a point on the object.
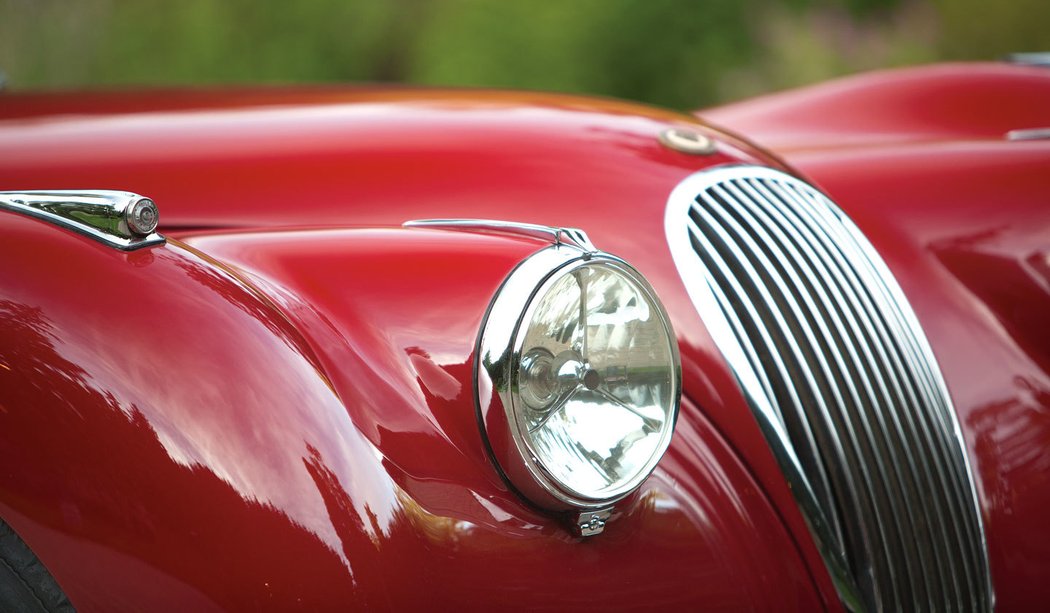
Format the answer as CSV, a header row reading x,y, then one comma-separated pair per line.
x,y
122,220
836,377
831,278
1038,58
843,383
940,393
1029,134
573,236
906,336
822,524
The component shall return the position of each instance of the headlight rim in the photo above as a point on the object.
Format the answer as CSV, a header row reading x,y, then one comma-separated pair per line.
x,y
498,353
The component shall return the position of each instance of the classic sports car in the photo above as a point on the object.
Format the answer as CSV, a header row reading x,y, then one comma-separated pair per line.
x,y
428,349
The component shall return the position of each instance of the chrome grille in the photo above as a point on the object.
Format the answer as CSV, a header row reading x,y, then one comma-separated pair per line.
x,y
835,367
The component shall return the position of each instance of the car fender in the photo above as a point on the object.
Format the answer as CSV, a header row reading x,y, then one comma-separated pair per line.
x,y
285,420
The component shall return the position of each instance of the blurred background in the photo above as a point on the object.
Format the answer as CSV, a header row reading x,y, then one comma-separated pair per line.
x,y
677,53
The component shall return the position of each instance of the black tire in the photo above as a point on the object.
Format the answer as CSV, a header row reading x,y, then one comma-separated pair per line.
x,y
25,585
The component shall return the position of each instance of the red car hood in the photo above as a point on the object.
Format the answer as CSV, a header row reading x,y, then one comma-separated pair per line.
x,y
958,212
324,157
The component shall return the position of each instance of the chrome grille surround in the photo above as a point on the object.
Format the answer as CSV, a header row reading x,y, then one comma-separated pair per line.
x,y
835,367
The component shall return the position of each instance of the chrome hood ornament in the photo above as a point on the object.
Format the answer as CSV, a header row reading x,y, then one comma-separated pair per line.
x,y
123,220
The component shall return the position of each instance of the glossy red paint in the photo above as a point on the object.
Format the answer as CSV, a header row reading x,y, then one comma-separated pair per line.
x,y
350,156
962,217
195,435
382,345
929,104
363,157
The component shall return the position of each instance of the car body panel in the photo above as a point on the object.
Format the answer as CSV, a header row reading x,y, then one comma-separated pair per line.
x,y
350,156
378,324
195,435
921,161
362,157
943,103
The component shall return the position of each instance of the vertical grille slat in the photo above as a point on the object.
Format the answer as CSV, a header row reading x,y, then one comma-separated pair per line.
x,y
864,281
838,372
824,370
865,368
887,317
786,393
882,371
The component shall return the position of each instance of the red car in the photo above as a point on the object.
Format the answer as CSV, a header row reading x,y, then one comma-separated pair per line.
x,y
423,349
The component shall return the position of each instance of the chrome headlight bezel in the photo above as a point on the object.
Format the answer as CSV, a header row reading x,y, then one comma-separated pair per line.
x,y
499,353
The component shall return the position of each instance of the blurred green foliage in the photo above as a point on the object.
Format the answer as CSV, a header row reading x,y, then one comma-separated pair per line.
x,y
678,53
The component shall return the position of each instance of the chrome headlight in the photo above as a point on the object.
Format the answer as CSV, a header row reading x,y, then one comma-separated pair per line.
x,y
579,379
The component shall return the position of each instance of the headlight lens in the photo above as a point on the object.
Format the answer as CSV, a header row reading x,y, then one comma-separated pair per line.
x,y
589,381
